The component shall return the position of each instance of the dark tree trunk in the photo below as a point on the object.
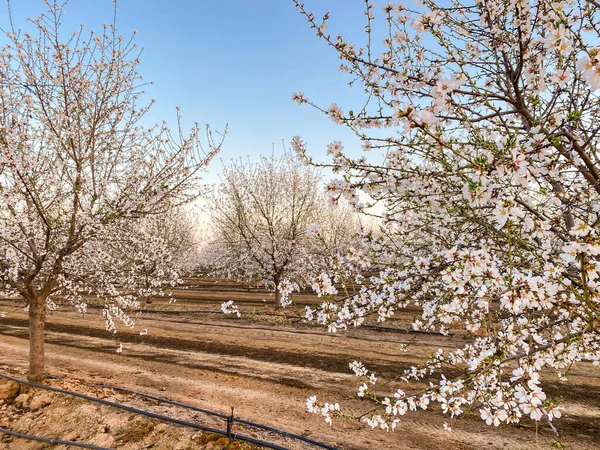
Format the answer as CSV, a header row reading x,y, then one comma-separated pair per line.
x,y
37,321
277,279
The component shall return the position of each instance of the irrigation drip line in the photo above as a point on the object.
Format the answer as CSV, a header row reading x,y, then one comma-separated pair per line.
x,y
204,311
148,413
405,330
223,416
164,400
50,440
192,311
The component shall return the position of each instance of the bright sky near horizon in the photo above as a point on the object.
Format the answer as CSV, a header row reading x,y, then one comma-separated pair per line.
x,y
234,62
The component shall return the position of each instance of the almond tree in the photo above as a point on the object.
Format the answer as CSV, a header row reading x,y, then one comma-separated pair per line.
x,y
157,249
184,236
336,227
486,112
260,214
77,166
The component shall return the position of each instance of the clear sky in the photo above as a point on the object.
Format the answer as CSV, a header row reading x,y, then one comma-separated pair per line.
x,y
234,62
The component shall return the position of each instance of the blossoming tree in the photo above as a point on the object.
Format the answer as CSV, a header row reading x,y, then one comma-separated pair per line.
x,y
156,249
77,167
487,113
260,215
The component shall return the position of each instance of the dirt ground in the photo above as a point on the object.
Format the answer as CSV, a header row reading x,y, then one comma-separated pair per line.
x,y
265,366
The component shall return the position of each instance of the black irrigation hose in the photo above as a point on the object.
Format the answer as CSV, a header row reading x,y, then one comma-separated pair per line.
x,y
204,311
405,330
369,327
177,311
49,440
224,416
193,311
147,413
164,400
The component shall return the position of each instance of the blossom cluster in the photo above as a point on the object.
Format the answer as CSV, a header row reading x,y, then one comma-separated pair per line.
x,y
229,308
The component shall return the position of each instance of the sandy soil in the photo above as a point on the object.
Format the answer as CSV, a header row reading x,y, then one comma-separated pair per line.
x,y
265,367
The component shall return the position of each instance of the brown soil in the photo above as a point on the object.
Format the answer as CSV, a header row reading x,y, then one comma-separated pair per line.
x,y
265,367
49,414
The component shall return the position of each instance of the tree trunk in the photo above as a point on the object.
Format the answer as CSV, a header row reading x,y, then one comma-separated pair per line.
x,y
277,293
277,299
37,321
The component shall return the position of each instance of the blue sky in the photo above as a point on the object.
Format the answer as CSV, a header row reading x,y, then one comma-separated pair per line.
x,y
234,62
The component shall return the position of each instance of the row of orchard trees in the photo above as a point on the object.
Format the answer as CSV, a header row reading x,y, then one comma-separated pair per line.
x,y
272,223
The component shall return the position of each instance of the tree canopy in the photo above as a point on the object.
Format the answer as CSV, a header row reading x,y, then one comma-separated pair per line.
x,y
486,112
78,169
